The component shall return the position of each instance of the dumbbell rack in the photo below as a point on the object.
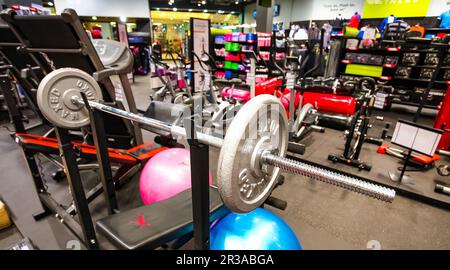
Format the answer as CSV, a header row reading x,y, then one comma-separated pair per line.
x,y
404,93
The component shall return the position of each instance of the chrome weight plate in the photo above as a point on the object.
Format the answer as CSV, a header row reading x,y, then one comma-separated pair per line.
x,y
55,97
260,125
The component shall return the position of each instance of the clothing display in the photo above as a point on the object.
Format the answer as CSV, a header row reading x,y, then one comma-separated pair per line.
x,y
445,19
327,34
418,28
387,21
338,22
298,33
397,29
355,20
314,33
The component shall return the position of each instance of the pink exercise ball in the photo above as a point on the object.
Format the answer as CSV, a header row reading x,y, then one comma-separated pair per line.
x,y
165,175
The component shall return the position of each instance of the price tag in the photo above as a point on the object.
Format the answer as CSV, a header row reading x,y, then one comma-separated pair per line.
x,y
251,79
207,81
118,91
290,81
380,100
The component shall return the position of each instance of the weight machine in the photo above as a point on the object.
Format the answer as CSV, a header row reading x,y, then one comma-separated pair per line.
x,y
243,163
356,135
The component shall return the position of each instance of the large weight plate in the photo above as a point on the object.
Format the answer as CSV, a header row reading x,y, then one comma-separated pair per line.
x,y
55,92
243,182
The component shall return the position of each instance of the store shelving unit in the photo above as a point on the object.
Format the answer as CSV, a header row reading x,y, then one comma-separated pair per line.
x,y
408,89
231,65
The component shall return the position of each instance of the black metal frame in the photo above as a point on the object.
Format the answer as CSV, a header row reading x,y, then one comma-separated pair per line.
x,y
360,124
6,87
16,116
84,229
76,187
199,155
200,190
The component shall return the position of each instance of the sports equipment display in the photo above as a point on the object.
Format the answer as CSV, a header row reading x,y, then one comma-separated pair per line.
x,y
252,152
259,229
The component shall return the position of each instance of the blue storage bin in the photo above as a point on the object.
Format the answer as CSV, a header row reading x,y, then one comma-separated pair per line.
x,y
219,39
228,74
251,37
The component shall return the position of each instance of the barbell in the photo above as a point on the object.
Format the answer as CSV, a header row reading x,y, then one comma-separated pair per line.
x,y
252,153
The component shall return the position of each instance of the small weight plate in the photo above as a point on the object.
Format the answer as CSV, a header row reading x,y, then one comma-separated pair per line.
x,y
55,93
244,182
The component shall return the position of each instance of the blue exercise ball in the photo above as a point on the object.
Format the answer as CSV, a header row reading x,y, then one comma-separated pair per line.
x,y
259,229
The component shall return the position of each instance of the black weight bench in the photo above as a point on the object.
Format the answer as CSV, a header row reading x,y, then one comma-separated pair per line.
x,y
24,68
61,42
154,225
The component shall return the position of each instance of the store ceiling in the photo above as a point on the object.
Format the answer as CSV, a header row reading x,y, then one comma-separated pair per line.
x,y
210,5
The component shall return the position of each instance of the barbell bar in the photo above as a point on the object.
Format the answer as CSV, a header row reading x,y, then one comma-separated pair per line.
x,y
252,153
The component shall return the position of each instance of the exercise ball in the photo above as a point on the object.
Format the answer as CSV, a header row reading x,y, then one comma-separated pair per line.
x,y
165,175
259,229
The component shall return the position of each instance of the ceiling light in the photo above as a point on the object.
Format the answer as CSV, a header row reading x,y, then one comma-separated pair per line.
x,y
199,4
190,10
205,10
237,2
123,19
94,18
175,9
204,2
50,4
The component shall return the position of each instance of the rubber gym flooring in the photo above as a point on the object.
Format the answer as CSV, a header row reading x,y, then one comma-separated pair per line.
x,y
322,216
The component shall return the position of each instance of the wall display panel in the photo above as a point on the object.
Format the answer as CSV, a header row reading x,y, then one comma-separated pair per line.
x,y
437,7
400,8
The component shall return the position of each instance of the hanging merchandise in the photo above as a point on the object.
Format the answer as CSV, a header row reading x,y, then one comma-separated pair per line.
x,y
418,28
327,34
445,19
351,32
355,20
368,35
313,34
332,61
338,22
138,43
302,34
396,30
387,21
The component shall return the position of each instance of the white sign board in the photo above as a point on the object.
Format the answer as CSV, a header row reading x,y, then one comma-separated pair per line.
x,y
418,138
200,43
380,100
437,7
330,9
290,81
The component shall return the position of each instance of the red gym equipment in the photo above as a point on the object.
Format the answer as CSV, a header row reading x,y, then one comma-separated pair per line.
x,y
323,102
417,160
443,120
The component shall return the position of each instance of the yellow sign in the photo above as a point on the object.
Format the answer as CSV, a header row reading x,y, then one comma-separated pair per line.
x,y
399,8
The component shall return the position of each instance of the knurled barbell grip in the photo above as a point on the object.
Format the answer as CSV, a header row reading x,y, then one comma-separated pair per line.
x,y
285,164
327,176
